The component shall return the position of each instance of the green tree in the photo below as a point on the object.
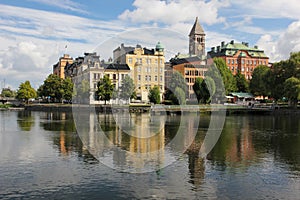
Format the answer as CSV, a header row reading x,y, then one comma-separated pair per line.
x,y
227,77
218,94
204,89
82,92
7,92
292,90
154,95
177,81
127,89
280,72
180,96
26,92
105,89
241,82
67,86
56,88
259,82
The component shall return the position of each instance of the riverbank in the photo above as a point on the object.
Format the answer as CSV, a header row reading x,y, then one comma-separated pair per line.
x,y
163,109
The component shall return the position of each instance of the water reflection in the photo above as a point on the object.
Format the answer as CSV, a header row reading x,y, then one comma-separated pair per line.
x,y
25,120
255,157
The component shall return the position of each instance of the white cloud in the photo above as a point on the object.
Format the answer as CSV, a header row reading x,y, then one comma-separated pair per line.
x,y
279,48
174,11
269,8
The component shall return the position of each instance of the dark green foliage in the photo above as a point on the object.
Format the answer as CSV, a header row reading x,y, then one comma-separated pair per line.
x,y
292,90
105,89
241,83
258,83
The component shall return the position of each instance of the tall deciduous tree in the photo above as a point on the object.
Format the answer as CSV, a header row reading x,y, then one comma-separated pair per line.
x,y
241,82
56,88
259,82
204,89
105,89
7,92
127,89
154,95
26,92
292,90
177,81
227,77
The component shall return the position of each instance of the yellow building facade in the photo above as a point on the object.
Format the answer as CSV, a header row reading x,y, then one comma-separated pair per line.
x,y
147,67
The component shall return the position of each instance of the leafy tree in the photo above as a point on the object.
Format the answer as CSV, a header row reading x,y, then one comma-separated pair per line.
x,y
180,95
56,88
204,89
127,89
241,82
292,90
67,89
105,89
82,92
177,81
154,95
218,91
281,71
7,92
227,77
26,92
259,82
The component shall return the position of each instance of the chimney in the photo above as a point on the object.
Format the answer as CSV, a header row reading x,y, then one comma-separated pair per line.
x,y
222,44
213,49
232,42
218,48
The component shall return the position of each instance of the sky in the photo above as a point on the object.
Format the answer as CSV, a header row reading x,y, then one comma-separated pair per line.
x,y
35,33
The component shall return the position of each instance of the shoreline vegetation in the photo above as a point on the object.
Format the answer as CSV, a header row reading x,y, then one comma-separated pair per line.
x,y
158,109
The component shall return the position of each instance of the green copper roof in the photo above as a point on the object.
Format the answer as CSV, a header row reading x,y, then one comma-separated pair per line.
x,y
230,49
159,47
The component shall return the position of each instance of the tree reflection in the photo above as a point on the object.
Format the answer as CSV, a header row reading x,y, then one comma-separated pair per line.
x,y
25,120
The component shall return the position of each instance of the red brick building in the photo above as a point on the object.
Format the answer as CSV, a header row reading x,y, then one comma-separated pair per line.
x,y
239,57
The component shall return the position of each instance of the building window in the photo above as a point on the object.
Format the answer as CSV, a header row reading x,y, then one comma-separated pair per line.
x,y
130,60
196,73
155,78
139,87
149,77
122,76
114,76
139,69
95,85
161,87
228,61
243,69
232,61
155,61
187,80
148,61
243,62
146,78
161,70
161,78
254,62
139,77
95,76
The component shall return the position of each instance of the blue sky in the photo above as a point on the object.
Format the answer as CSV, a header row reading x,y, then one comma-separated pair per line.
x,y
34,33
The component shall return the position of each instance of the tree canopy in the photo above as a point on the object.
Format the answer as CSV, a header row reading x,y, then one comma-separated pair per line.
x,y
105,89
26,92
177,81
258,83
241,82
154,95
127,89
204,89
56,88
7,92
292,90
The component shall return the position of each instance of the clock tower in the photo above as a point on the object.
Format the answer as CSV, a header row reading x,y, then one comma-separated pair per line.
x,y
197,40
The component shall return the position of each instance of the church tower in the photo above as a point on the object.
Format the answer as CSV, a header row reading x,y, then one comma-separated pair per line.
x,y
197,40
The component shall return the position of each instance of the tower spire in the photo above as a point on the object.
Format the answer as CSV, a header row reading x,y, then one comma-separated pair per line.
x,y
197,40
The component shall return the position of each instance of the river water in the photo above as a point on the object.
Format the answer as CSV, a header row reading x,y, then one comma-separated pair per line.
x,y
47,155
